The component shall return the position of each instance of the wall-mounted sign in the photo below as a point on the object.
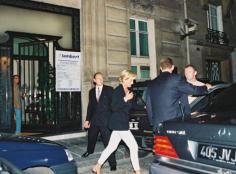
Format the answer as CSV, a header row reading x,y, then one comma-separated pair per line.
x,y
68,71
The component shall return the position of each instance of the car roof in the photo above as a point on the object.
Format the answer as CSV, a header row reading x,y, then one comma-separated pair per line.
x,y
141,83
219,86
215,87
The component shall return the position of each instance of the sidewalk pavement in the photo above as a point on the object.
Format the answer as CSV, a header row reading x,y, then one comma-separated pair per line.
x,y
79,145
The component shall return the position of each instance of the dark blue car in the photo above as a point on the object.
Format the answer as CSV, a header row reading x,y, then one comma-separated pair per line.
x,y
203,143
36,155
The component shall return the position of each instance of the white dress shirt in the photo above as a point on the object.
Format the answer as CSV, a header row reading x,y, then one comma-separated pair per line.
x,y
98,91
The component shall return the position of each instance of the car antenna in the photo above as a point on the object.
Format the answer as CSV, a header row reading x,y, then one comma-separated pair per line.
x,y
182,111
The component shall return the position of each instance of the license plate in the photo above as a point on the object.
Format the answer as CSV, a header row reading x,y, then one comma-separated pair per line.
x,y
133,125
217,153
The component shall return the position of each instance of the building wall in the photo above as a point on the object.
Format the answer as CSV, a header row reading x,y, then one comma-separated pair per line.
x,y
104,42
25,20
169,16
200,50
230,23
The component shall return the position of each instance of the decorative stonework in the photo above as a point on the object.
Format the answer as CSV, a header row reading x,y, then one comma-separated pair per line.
x,y
145,4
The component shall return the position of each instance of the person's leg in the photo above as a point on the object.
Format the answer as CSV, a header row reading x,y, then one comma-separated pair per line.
x,y
92,138
130,141
18,120
105,134
111,147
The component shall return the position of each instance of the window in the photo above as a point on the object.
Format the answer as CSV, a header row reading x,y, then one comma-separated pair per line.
x,y
134,69
143,47
132,37
140,95
145,72
139,38
143,38
213,70
214,17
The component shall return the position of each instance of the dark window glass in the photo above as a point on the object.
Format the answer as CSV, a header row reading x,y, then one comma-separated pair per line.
x,y
145,72
213,70
132,24
142,26
225,101
204,101
133,43
143,38
143,43
140,95
132,36
134,69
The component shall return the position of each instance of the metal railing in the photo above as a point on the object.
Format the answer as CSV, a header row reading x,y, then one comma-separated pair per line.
x,y
217,37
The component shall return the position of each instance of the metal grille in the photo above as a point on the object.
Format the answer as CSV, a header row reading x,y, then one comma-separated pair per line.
x,y
217,37
35,70
44,109
213,70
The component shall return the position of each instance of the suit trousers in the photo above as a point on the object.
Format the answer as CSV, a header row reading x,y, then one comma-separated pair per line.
x,y
105,133
129,140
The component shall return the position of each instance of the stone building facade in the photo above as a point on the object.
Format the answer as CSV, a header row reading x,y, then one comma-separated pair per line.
x,y
106,37
212,47
109,28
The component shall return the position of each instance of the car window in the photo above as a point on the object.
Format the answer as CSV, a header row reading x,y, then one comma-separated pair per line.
x,y
140,95
225,101
204,101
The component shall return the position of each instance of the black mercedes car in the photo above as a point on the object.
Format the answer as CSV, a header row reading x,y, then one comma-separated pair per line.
x,y
139,123
204,143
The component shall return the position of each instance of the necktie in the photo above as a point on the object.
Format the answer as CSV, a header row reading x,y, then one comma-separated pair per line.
x,y
98,93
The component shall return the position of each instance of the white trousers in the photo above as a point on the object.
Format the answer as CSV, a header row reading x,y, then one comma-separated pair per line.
x,y
128,138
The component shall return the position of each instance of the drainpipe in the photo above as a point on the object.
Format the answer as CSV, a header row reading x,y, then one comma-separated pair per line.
x,y
186,30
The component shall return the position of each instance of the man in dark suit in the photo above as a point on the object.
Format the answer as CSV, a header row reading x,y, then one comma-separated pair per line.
x,y
167,95
98,114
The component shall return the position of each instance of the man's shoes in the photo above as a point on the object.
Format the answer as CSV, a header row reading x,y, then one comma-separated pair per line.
x,y
113,168
86,154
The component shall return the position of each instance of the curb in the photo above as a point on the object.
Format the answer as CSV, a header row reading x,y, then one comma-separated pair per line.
x,y
65,136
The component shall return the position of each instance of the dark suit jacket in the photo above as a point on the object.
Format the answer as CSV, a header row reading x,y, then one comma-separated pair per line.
x,y
120,110
165,93
98,113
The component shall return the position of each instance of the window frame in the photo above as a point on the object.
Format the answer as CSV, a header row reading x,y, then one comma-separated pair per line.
x,y
137,37
218,16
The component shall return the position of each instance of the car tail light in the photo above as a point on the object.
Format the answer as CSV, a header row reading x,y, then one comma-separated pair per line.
x,y
163,146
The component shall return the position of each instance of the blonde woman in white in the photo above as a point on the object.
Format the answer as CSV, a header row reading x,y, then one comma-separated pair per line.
x,y
119,122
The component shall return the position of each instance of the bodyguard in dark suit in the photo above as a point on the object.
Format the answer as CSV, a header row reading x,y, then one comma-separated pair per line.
x,y
98,114
167,95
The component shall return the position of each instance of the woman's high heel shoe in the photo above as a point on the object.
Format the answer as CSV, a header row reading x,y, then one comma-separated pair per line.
x,y
97,169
